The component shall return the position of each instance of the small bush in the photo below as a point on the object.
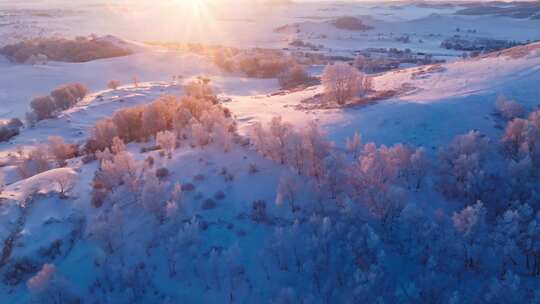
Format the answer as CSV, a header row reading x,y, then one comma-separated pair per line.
x,y
10,129
208,204
188,187
162,173
258,211
43,107
113,84
219,195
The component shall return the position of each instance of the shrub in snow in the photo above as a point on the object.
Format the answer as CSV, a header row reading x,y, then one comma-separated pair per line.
x,y
10,129
162,173
253,169
208,204
188,187
294,77
258,211
113,84
219,195
342,83
509,109
44,107
99,194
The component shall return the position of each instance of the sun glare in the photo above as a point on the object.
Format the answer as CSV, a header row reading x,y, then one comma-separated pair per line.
x,y
180,20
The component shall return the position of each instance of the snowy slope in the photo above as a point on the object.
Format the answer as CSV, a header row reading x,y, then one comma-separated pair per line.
x,y
448,100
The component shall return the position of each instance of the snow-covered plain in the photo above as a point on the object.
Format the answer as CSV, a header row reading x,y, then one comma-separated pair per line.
x,y
212,245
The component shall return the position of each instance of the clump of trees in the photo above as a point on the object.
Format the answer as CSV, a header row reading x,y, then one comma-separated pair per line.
x,y
294,77
351,24
81,49
10,129
60,99
196,118
52,154
343,83
256,63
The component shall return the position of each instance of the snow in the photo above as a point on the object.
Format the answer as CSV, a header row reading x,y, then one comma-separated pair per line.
x,y
446,100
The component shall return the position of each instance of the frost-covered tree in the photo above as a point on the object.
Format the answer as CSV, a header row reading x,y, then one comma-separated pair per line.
x,y
167,141
279,132
354,145
199,134
471,224
117,146
122,169
506,235
515,137
102,135
157,116
288,190
463,171
154,196
48,286
342,82
128,122
200,88
35,162
60,151
509,109
42,279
